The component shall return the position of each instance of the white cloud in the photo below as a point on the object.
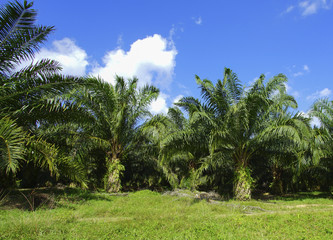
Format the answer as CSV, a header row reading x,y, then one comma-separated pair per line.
x,y
288,10
298,74
309,7
325,92
159,105
289,90
176,99
304,70
151,59
314,120
72,58
320,94
120,40
198,21
296,94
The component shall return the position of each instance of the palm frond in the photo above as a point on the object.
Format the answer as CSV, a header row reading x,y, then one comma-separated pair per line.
x,y
12,145
19,37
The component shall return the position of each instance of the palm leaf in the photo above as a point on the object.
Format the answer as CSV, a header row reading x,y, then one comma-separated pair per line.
x,y
12,145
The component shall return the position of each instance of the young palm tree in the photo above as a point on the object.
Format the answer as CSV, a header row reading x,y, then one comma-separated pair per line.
x,y
287,145
250,124
323,110
178,147
239,120
110,116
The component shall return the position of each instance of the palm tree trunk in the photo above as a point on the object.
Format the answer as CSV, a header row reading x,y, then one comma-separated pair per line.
x,y
242,184
276,186
115,169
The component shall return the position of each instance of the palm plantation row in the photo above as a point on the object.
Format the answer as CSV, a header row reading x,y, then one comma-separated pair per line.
x,y
83,130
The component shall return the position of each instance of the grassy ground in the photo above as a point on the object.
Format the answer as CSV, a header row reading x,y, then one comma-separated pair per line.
x,y
73,214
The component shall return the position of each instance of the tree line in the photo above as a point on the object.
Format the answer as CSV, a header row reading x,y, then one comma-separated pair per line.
x,y
234,139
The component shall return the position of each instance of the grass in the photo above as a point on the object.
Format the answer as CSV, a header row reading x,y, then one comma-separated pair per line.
x,y
75,214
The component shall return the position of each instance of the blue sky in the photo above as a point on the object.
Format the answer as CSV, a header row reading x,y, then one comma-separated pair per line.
x,y
167,42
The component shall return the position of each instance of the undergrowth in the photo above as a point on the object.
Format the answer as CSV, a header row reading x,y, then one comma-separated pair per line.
x,y
145,214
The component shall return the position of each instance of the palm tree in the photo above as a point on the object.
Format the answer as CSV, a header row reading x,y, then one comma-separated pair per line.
x,y
20,38
110,117
238,120
287,145
323,110
251,124
25,91
177,145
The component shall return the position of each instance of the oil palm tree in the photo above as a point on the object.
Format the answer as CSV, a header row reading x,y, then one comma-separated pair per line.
x,y
239,120
110,116
249,125
177,147
323,110
187,145
24,91
287,144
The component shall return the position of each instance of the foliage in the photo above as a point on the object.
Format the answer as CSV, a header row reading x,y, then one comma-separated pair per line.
x,y
24,91
108,119
11,146
323,110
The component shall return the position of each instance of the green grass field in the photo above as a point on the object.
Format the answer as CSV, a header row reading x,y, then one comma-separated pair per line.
x,y
74,214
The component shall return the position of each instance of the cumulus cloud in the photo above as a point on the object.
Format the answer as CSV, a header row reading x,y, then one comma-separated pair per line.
x,y
72,58
314,120
177,98
306,68
151,59
325,92
320,94
159,105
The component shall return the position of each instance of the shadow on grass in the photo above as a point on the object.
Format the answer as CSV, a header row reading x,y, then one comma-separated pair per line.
x,y
293,196
48,198
305,195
